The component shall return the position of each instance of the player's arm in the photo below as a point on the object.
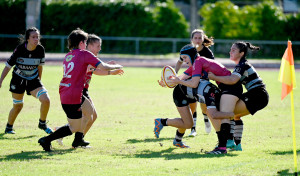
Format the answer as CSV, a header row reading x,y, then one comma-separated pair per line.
x,y
40,71
215,114
108,72
106,66
178,65
230,80
194,82
5,71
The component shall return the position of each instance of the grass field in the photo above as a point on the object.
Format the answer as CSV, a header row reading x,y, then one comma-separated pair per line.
x,y
122,138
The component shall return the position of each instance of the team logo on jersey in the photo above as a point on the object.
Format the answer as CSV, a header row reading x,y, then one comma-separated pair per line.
x,y
69,57
21,60
237,69
13,87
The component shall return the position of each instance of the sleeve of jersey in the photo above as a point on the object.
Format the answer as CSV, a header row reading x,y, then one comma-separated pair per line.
x,y
91,59
189,71
42,62
13,58
238,70
197,68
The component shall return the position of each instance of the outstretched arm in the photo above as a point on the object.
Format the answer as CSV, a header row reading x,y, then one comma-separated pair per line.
x,y
230,80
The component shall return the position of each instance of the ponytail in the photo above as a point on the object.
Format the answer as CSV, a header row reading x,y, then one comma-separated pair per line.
x,y
243,47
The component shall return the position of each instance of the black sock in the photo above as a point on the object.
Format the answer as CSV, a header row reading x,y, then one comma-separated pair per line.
x,y
78,136
178,136
8,126
61,132
194,120
232,123
238,131
223,134
164,122
42,121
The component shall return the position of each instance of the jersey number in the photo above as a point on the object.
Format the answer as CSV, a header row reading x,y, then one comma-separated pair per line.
x,y
67,70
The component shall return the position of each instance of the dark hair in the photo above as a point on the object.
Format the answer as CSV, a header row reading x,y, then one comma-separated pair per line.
x,y
190,51
92,38
24,38
75,37
207,41
243,47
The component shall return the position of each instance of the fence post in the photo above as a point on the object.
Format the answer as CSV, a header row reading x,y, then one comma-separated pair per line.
x,y
174,46
137,46
62,43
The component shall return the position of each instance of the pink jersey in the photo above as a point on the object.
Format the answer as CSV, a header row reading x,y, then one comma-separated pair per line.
x,y
203,65
75,66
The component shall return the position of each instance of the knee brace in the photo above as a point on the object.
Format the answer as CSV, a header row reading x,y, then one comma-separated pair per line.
x,y
40,92
15,101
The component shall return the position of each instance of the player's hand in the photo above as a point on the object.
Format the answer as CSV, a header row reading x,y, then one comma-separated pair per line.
x,y
117,72
174,80
211,76
161,83
112,62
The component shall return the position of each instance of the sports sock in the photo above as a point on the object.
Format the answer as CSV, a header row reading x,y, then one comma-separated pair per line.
x,y
232,123
59,133
195,120
205,117
9,127
238,131
78,136
223,134
178,136
164,122
42,122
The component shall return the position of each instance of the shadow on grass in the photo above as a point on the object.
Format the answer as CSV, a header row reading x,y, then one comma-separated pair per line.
x,y
286,172
30,155
168,155
133,141
3,136
284,152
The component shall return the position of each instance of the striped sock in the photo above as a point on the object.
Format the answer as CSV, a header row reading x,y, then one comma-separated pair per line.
x,y
195,121
178,136
232,123
238,131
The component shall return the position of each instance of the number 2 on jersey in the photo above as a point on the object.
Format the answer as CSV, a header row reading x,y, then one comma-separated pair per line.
x,y
68,69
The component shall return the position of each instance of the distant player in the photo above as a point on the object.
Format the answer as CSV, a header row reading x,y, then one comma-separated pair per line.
x,y
201,42
71,86
28,60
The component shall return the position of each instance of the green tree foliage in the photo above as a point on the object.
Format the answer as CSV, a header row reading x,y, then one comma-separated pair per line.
x,y
263,21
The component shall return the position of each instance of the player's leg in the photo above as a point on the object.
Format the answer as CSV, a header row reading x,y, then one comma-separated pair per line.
x,y
14,112
42,95
88,111
193,107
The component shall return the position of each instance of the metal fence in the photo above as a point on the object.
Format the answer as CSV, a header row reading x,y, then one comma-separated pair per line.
x,y
222,46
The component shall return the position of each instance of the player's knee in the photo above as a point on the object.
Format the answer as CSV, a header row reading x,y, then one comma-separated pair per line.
x,y
18,104
189,125
95,116
42,95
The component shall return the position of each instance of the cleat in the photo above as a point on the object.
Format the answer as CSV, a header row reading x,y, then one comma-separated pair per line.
x,y
44,127
9,131
158,127
193,133
86,147
217,151
46,145
237,148
207,126
60,140
180,144
230,144
81,143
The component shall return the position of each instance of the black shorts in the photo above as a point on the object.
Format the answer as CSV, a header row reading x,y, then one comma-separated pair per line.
x,y
236,89
255,99
73,111
19,85
180,96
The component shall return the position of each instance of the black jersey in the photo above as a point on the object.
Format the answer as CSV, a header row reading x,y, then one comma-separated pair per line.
x,y
248,75
205,52
26,62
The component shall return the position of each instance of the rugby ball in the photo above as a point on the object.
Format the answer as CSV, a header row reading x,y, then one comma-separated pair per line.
x,y
166,73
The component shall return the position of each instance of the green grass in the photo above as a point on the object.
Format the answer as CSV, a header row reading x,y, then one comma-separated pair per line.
x,y
122,138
